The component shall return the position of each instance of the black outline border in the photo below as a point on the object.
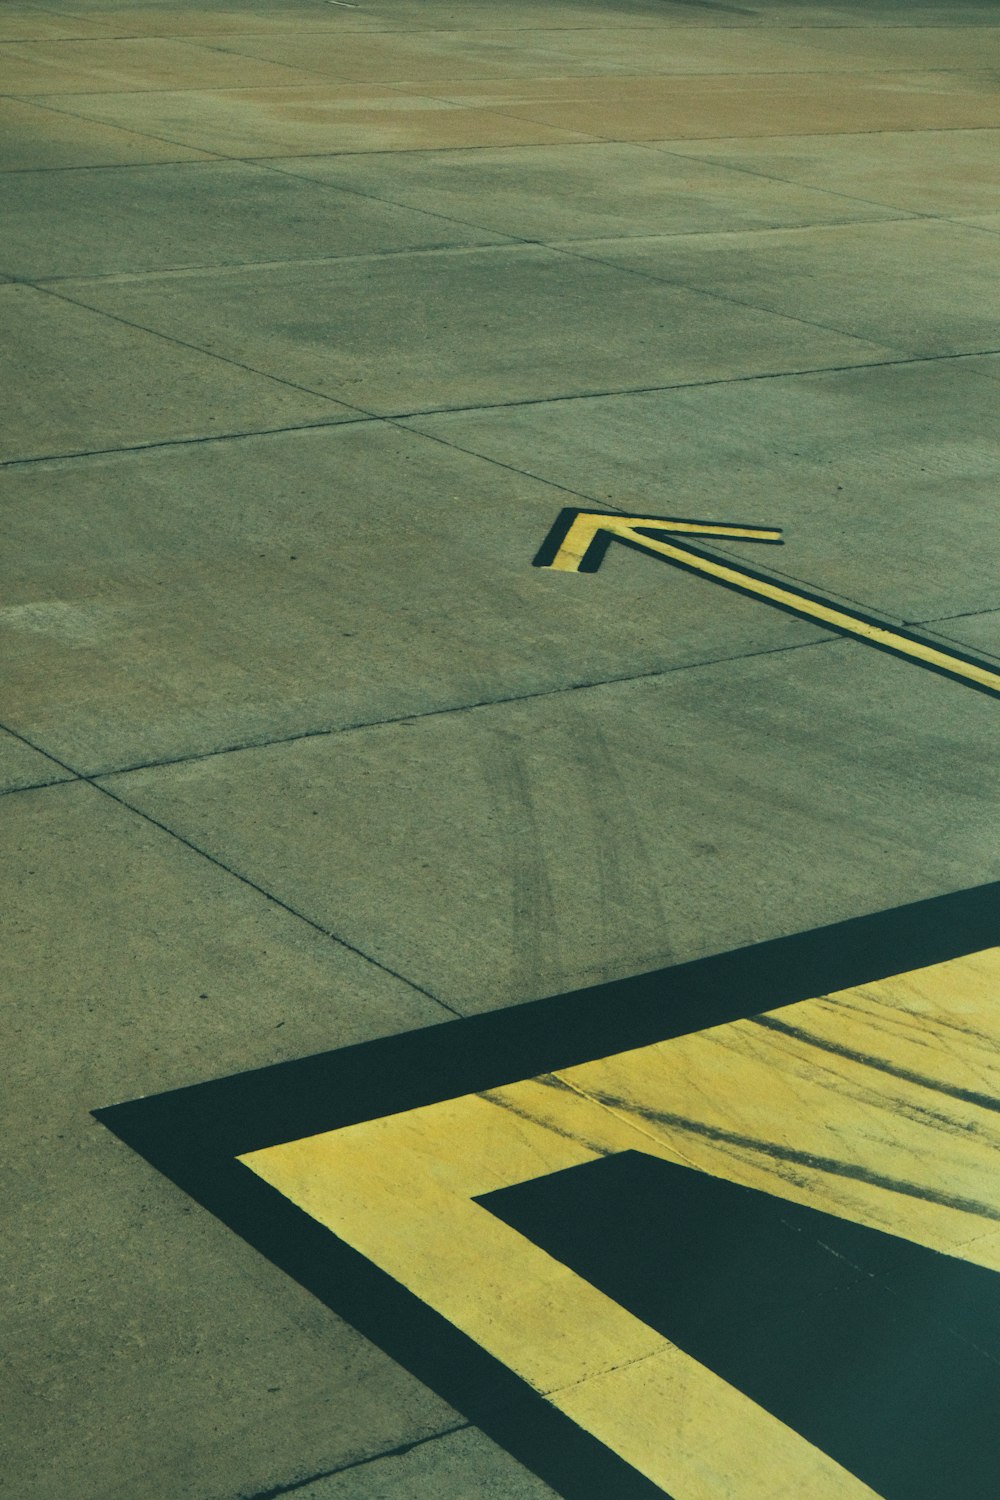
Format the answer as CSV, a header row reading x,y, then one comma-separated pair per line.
x,y
193,1136
594,556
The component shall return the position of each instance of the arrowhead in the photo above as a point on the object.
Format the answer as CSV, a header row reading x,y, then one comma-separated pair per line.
x,y
579,539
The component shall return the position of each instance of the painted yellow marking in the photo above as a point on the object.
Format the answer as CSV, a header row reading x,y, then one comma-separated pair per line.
x,y
860,1104
586,526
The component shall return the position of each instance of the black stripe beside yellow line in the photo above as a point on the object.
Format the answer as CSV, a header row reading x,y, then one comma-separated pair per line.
x,y
730,1228
579,539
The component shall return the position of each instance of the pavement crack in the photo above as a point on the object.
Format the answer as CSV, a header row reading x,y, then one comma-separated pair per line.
x,y
626,1364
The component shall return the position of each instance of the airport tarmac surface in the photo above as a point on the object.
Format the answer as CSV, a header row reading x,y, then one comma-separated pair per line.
x,y
435,853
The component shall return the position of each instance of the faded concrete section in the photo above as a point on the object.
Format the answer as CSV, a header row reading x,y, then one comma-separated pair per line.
x,y
319,314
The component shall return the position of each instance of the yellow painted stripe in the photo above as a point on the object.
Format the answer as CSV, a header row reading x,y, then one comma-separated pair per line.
x,y
805,1112
585,527
581,535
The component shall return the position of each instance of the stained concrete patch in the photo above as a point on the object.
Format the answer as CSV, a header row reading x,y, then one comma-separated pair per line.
x,y
520,851
83,382
412,332
219,213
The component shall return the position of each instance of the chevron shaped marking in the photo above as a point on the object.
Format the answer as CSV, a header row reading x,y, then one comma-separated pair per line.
x,y
579,540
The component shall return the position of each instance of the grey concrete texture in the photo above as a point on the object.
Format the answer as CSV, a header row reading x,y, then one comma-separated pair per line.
x,y
830,778
36,137
724,105
988,366
155,622
82,222
83,383
598,189
145,1358
457,1463
943,172
18,22
22,767
589,54
321,117
107,63
916,286
879,477
319,315
523,15
404,333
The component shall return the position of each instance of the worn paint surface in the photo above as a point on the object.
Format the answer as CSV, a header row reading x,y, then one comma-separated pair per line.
x,y
876,1104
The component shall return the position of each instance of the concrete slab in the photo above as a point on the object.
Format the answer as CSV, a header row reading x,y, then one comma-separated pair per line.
x,y
38,138
218,18
559,53
322,118
980,632
732,105
423,56
988,365
602,833
113,63
971,49
683,770
562,53
149,389
412,332
213,213
27,22
933,172
218,1371
205,976
365,574
598,189
396,15
883,13
458,1463
22,767
525,15
882,478
917,286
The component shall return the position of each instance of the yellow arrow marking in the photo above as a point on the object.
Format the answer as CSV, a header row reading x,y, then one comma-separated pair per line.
x,y
582,548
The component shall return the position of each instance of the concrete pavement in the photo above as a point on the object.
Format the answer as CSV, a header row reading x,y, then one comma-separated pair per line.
x,y
318,315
